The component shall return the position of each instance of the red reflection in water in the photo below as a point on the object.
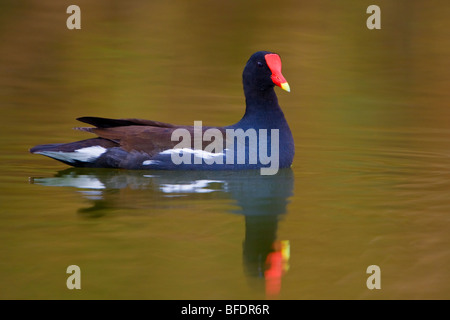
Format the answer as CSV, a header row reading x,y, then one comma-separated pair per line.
x,y
277,263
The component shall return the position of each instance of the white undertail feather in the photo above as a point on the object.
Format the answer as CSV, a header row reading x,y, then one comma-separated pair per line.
x,y
88,154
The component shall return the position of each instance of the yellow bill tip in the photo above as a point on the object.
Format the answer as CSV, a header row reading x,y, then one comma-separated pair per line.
x,y
285,86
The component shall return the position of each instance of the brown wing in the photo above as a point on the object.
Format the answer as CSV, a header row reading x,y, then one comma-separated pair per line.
x,y
150,140
146,136
110,123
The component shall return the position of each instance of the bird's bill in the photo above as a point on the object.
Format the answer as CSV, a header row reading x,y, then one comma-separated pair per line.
x,y
274,63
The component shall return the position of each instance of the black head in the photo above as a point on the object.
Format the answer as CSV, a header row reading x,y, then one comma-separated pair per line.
x,y
263,71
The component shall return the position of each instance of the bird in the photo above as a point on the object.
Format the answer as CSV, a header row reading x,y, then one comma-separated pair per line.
x,y
261,139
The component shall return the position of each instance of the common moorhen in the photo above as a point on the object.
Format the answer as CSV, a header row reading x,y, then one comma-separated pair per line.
x,y
261,139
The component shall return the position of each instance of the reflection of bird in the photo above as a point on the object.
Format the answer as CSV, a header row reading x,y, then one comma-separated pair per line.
x,y
261,199
147,144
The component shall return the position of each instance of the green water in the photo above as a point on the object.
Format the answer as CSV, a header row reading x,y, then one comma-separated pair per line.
x,y
369,185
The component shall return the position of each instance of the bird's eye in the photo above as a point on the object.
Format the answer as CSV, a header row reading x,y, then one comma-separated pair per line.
x,y
260,64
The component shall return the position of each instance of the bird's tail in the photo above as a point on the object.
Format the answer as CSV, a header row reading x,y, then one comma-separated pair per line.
x,y
85,153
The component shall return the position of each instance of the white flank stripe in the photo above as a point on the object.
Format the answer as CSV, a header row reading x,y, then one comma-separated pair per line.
x,y
149,162
87,154
196,152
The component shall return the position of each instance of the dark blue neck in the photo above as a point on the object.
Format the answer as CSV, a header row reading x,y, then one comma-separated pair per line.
x,y
262,109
